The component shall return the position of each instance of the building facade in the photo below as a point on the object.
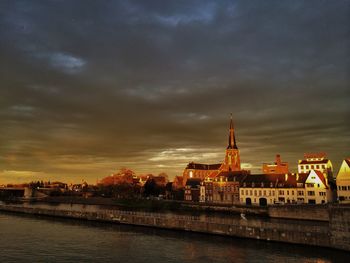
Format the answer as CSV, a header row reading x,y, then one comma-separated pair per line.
x,y
278,167
225,187
318,162
269,189
343,182
192,190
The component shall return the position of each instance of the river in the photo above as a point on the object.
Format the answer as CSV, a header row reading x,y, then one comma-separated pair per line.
x,y
41,239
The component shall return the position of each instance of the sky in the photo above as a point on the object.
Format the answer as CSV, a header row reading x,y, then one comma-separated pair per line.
x,y
89,87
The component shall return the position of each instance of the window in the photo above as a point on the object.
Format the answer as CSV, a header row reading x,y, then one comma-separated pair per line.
x,y
317,167
300,193
311,193
312,167
259,192
273,192
264,192
307,167
242,192
322,193
292,192
281,192
287,192
255,193
310,185
246,192
251,192
343,188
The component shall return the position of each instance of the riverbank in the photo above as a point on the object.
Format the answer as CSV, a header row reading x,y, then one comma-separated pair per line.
x,y
333,233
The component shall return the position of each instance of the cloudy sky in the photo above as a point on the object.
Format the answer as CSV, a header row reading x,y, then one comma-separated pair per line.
x,y
88,87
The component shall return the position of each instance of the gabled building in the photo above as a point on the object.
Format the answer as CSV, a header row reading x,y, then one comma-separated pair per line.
x,y
317,189
343,182
278,167
231,162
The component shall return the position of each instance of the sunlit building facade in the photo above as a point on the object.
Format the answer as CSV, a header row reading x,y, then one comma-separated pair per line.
x,y
318,162
343,182
278,167
269,189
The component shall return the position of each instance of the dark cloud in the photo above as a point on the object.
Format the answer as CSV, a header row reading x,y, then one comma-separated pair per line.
x,y
88,87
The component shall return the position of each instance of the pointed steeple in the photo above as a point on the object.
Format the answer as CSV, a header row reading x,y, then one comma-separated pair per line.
x,y
232,139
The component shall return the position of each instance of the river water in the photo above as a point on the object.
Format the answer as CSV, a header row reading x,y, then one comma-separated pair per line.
x,y
40,239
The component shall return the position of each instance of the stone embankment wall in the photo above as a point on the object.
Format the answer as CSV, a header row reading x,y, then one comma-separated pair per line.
x,y
334,233
304,212
339,224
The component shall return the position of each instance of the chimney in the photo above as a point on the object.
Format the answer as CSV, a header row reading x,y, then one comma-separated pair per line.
x,y
278,159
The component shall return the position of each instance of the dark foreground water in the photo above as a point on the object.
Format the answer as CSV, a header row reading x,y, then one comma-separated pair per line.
x,y
41,239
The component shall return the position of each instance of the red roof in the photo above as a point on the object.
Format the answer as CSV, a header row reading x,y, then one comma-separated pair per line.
x,y
347,160
274,180
321,175
313,162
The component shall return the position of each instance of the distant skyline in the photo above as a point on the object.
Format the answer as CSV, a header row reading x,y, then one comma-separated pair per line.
x,y
88,87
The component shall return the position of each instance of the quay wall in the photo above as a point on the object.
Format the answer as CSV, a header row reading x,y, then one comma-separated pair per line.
x,y
334,233
303,212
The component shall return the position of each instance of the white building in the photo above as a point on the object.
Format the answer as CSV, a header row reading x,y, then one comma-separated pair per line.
x,y
317,190
268,189
316,161
343,182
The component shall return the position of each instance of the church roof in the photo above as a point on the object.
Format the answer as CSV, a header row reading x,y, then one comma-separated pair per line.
x,y
201,166
232,138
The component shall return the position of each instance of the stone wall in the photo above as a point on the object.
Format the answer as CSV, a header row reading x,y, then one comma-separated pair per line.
x,y
339,225
304,212
317,233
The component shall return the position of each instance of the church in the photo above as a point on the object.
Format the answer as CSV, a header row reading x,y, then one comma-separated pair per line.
x,y
231,162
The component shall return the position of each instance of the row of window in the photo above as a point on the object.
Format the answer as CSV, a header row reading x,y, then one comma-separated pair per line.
x,y
317,166
258,193
344,188
226,188
280,192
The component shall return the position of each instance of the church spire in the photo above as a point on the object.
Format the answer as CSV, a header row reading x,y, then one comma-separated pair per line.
x,y
232,139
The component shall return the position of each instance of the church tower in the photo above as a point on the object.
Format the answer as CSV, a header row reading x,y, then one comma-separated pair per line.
x,y
232,160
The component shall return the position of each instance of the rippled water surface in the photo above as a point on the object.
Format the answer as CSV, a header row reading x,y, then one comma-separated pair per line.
x,y
41,239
